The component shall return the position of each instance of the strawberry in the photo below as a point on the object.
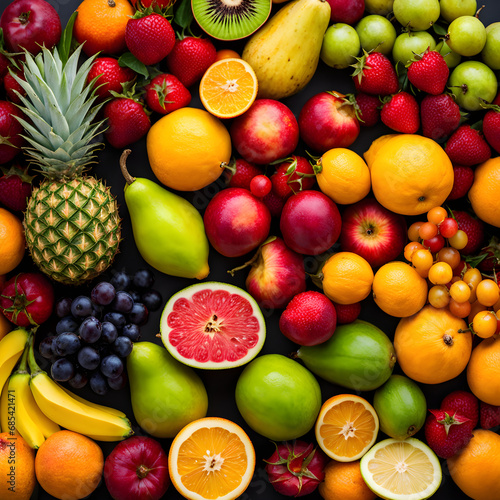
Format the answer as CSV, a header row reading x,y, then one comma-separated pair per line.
x,y
240,172
309,319
429,72
15,188
292,175
110,76
473,227
165,93
128,121
497,100
491,127
447,432
375,74
440,116
463,179
274,203
467,146
489,415
10,130
149,36
190,58
463,402
12,87
491,252
347,313
367,108
401,113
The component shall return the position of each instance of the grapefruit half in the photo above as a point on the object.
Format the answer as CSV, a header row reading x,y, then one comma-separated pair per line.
x,y
212,325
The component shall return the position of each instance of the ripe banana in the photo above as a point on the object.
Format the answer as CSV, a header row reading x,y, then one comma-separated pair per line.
x,y
72,414
11,349
113,411
4,410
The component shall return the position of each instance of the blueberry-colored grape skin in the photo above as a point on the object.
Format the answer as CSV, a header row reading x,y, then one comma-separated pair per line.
x,y
135,295
63,307
118,319
123,346
111,366
121,281
81,307
152,299
143,279
67,324
90,330
62,370
88,358
118,383
46,347
78,381
139,314
97,311
109,332
66,344
132,331
98,383
103,293
123,302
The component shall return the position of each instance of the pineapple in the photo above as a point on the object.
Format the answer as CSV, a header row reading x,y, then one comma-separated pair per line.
x,y
71,223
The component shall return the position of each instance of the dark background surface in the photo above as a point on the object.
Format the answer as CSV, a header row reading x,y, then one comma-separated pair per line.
x,y
220,385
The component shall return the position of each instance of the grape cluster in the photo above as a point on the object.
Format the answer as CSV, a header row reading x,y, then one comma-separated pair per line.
x,y
94,334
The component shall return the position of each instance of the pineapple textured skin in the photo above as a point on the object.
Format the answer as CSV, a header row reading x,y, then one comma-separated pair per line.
x,y
72,229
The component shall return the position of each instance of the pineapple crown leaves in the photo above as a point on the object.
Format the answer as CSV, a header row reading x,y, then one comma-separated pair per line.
x,y
60,105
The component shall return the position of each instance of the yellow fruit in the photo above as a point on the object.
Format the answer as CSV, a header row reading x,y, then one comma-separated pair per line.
x,y
17,468
346,278
226,54
483,371
399,290
228,88
346,427
375,146
188,149
211,458
69,465
411,174
483,193
343,481
432,346
343,176
475,468
12,242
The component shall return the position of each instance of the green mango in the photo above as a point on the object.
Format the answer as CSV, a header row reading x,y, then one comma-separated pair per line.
x,y
168,231
166,394
358,356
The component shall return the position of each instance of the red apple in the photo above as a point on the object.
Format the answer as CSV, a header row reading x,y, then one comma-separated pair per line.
x,y
346,11
137,469
310,222
266,132
236,222
10,131
277,274
29,24
327,120
372,231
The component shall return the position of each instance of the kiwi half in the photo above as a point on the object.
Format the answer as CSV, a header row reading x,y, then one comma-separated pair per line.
x,y
231,19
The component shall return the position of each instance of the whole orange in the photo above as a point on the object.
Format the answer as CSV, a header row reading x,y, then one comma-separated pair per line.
x,y
17,467
370,154
101,25
475,468
12,242
411,174
69,465
483,371
432,346
343,481
483,193
399,290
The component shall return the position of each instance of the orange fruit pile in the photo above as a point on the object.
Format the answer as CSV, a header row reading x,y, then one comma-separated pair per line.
x,y
12,242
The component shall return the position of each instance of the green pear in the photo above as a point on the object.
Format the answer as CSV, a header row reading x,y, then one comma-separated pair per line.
x,y
168,230
166,394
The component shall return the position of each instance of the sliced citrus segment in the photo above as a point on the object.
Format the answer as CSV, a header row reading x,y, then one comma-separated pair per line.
x,y
401,470
228,88
212,325
346,427
211,459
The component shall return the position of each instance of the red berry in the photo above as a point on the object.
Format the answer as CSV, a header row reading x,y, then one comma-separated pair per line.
x,y
10,131
375,74
448,227
473,227
440,116
401,113
15,188
109,76
463,402
240,173
165,93
467,146
292,175
491,128
463,179
347,313
260,186
429,73
367,107
489,415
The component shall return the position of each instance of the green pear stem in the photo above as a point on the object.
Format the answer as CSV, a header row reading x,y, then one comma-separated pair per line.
x,y
123,167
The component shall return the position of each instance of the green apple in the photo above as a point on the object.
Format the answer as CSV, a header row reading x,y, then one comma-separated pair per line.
x,y
472,81
340,46
466,36
491,51
380,7
452,58
451,9
409,44
376,33
418,15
